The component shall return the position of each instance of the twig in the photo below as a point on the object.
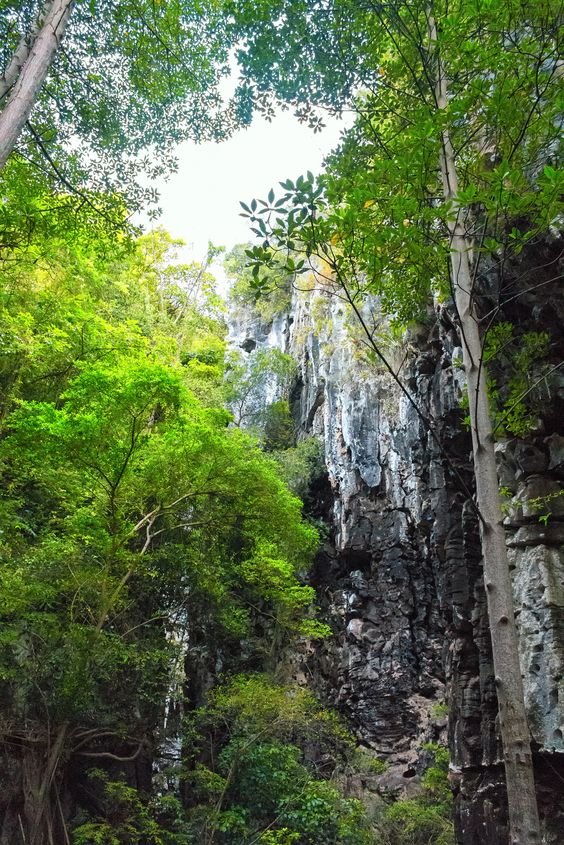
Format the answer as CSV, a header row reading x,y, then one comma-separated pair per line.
x,y
526,393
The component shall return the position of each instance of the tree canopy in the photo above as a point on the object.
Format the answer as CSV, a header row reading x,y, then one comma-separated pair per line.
x,y
135,522
127,82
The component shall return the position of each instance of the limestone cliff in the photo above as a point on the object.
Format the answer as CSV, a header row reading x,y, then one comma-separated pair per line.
x,y
400,575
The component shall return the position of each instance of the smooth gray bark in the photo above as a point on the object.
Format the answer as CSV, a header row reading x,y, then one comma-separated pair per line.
x,y
27,72
517,757
21,53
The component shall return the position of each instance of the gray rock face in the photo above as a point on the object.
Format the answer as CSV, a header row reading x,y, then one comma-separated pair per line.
x,y
400,578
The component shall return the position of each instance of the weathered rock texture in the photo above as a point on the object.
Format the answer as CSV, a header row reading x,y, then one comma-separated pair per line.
x,y
400,576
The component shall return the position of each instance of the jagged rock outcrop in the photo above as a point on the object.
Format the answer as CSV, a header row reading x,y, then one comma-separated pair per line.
x,y
400,575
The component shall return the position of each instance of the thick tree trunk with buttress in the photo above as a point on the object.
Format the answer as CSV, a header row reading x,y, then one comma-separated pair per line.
x,y
522,803
27,72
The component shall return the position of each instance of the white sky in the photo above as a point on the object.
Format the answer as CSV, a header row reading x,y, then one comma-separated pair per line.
x,y
201,201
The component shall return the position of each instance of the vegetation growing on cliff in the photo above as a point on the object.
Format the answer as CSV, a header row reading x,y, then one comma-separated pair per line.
x,y
243,293
126,80
426,818
450,167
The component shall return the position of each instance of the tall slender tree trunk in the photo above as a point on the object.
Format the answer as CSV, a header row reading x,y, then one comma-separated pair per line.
x,y
27,72
523,812
22,51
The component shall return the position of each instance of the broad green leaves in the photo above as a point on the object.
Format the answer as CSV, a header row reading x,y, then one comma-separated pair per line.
x,y
130,80
260,784
378,218
132,513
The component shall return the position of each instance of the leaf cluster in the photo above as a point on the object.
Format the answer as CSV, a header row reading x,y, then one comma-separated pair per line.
x,y
377,221
519,377
129,81
266,743
132,516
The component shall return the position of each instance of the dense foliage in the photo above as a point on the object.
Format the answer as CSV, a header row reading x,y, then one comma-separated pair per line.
x,y
266,747
378,219
148,544
129,81
139,531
